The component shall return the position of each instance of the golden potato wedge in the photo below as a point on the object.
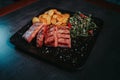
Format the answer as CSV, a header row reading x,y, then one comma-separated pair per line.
x,y
66,15
35,19
58,23
54,16
48,19
45,16
65,20
53,21
51,12
43,20
60,18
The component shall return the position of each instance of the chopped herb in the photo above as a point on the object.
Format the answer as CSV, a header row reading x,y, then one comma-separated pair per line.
x,y
81,24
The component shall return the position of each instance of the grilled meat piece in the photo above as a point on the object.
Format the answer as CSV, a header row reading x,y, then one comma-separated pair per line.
x,y
51,37
32,31
40,36
55,36
58,36
63,35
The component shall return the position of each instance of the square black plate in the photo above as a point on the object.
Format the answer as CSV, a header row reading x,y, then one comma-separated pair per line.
x,y
72,58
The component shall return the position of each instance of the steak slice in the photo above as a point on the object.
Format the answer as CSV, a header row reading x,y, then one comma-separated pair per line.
x,y
63,35
40,36
58,36
51,37
32,31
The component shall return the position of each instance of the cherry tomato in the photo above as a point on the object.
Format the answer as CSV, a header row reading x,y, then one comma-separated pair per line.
x,y
69,25
82,15
90,32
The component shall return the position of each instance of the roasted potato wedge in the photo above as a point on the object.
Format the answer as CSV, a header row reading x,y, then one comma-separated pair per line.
x,y
52,16
35,19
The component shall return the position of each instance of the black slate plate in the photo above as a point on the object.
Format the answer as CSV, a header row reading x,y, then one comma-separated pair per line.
x,y
68,58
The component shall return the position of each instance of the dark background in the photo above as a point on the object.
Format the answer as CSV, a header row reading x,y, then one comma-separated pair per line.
x,y
114,1
102,64
4,3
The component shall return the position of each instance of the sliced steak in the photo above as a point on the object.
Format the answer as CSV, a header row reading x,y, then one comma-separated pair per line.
x,y
40,36
63,35
32,31
58,36
51,37
55,36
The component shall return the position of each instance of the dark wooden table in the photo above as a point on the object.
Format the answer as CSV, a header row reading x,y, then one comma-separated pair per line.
x,y
102,64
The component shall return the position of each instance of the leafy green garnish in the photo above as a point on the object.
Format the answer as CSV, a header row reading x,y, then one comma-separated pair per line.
x,y
81,24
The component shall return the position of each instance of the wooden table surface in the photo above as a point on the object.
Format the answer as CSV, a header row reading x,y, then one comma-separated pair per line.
x,y
102,64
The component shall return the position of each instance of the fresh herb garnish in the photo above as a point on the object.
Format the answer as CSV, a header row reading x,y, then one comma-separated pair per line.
x,y
81,25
